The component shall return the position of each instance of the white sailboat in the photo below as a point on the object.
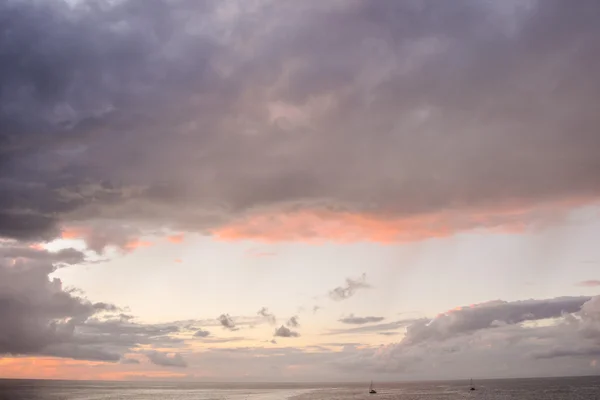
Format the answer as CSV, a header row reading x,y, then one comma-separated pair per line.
x,y
472,387
371,390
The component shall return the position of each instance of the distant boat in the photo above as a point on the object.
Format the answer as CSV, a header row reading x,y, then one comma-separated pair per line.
x,y
371,390
472,387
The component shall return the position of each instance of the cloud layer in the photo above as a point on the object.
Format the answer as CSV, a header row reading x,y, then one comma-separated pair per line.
x,y
384,121
341,124
512,334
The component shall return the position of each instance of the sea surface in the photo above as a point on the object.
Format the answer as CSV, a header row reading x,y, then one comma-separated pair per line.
x,y
580,388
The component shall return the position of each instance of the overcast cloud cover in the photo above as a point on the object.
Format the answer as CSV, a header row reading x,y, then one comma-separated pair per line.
x,y
382,121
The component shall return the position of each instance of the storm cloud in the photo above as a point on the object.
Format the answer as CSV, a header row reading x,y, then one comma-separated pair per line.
x,y
38,315
349,121
128,113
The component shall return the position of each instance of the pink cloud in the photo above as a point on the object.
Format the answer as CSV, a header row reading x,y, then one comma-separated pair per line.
x,y
179,238
589,283
315,226
136,244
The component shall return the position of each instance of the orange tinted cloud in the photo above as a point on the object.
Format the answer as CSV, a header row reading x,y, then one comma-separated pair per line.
x,y
70,233
590,283
176,238
60,368
49,368
136,244
178,260
319,226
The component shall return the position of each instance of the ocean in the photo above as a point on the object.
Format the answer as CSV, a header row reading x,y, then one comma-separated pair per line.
x,y
584,388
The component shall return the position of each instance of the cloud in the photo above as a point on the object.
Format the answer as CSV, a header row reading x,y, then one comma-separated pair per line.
x,y
227,322
351,319
351,287
129,361
42,318
270,317
237,320
59,258
201,333
293,322
282,331
99,235
316,308
95,137
127,122
369,329
79,352
224,340
39,316
590,283
568,352
487,315
166,359
179,238
570,336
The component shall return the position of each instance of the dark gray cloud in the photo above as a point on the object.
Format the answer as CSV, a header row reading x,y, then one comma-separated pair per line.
x,y
201,333
166,359
351,287
283,331
293,322
270,317
351,319
111,117
58,258
227,322
38,315
81,352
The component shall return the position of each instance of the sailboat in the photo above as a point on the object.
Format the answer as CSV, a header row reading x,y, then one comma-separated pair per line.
x,y
472,387
371,390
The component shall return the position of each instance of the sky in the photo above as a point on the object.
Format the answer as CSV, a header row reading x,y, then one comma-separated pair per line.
x,y
261,190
